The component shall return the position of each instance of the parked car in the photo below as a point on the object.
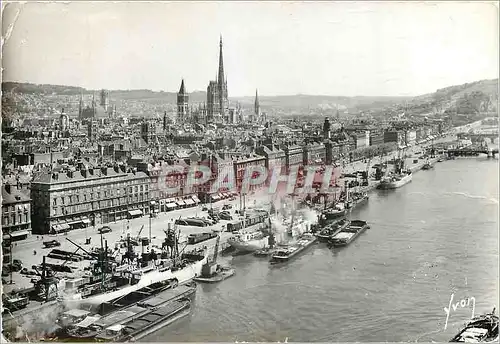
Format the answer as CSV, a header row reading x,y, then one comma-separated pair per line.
x,y
51,243
227,206
204,208
104,230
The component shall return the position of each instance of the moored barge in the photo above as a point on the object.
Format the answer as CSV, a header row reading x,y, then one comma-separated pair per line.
x,y
289,252
347,235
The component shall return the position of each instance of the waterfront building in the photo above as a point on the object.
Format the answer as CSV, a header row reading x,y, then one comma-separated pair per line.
x,y
66,199
241,163
16,211
217,96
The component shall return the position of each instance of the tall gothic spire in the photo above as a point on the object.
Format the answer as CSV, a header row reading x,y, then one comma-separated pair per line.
x,y
256,105
221,78
182,90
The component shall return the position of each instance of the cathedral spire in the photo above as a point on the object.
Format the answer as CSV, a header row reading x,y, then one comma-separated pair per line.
x,y
221,78
256,105
182,90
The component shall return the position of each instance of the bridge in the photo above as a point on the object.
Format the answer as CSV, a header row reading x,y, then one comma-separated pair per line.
x,y
493,136
472,151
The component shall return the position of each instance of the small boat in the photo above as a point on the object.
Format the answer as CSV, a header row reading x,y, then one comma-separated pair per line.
x,y
427,166
221,273
481,329
288,252
347,235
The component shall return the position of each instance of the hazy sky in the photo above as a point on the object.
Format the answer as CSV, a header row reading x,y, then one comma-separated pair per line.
x,y
364,48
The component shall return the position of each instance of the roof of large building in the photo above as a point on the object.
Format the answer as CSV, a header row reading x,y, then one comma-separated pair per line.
x,y
14,193
52,177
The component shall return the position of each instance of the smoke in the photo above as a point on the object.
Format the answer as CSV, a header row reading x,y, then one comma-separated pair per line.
x,y
310,215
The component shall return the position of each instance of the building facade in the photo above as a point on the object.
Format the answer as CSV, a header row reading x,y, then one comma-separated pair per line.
x,y
69,199
16,212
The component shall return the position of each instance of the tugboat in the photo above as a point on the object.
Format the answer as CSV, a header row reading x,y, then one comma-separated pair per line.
x,y
481,329
212,272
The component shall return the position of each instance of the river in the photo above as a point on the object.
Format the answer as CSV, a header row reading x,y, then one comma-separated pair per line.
x,y
432,238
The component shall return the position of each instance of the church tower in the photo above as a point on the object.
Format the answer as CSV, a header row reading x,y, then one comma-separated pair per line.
x,y
80,106
182,104
165,122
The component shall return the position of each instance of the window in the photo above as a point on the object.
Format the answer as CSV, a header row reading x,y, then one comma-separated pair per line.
x,y
54,202
13,218
20,217
5,220
26,217
135,188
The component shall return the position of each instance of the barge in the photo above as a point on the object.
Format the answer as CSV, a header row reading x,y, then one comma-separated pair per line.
x,y
289,252
332,229
347,235
152,313
146,324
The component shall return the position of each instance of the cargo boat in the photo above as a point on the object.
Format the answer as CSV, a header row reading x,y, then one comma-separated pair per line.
x,y
347,235
137,328
96,325
289,252
481,329
396,181
119,280
249,242
331,229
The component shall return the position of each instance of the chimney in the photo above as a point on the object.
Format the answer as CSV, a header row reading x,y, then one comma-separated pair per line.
x,y
104,170
84,172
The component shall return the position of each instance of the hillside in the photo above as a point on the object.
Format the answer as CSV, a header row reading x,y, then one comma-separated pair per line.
x,y
480,96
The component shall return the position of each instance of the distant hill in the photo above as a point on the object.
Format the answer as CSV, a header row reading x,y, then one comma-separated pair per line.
x,y
479,96
471,97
